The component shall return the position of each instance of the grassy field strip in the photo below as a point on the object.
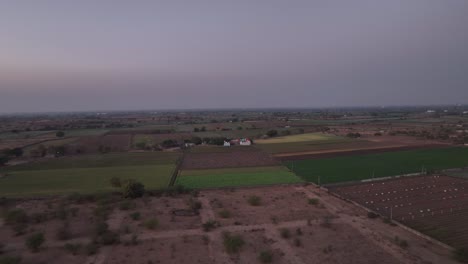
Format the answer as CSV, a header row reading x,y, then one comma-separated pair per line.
x,y
233,170
359,167
82,180
101,160
236,177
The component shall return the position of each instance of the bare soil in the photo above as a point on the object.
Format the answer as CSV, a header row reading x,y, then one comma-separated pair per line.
x,y
330,231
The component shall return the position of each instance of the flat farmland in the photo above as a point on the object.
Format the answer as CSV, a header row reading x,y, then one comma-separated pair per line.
x,y
434,205
152,139
248,157
87,174
307,146
234,177
109,143
300,138
360,167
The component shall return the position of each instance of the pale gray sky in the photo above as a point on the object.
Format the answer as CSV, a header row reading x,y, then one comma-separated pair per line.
x,y
109,54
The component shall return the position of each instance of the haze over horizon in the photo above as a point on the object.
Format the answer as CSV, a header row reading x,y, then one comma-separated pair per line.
x,y
111,55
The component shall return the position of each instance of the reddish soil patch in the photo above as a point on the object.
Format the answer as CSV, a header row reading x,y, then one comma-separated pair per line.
x,y
435,205
48,217
234,158
319,244
329,231
160,209
276,204
183,249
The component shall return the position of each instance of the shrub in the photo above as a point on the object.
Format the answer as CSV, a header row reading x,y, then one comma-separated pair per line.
x,y
101,228
224,214
232,243
151,223
401,242
327,249
63,233
109,238
91,248
299,231
60,134
127,205
16,216
102,211
115,182
34,241
313,201
254,200
10,260
133,189
326,222
135,216
265,257
372,215
297,242
194,204
210,225
72,248
285,233
20,229
38,218
461,254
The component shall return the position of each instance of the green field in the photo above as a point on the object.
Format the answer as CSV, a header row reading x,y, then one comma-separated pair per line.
x,y
214,178
87,174
352,168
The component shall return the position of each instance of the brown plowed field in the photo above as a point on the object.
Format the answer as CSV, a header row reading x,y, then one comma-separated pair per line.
x,y
232,159
434,205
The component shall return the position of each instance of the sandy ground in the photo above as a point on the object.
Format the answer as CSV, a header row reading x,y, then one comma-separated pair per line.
x,y
331,231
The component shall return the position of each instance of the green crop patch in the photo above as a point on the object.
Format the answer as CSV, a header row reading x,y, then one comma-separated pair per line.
x,y
81,180
234,177
360,167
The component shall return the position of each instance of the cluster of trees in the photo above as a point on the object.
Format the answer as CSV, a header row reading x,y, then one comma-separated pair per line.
x,y
202,129
353,135
41,151
7,154
275,133
441,134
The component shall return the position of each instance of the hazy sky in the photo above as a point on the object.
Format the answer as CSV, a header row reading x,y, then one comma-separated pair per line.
x,y
104,55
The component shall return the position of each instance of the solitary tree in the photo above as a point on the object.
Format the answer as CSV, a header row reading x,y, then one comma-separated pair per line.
x,y
132,189
60,134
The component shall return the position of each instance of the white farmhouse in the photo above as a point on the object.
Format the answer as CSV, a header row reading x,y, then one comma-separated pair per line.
x,y
245,142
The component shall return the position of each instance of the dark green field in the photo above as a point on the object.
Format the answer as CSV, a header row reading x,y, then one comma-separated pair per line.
x,y
352,168
235,177
87,174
